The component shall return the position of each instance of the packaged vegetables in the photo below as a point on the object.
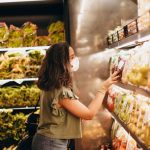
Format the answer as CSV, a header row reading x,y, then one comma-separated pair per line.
x,y
43,40
133,110
137,68
120,32
12,126
29,34
18,96
56,32
26,35
121,140
15,37
4,32
134,66
144,21
17,64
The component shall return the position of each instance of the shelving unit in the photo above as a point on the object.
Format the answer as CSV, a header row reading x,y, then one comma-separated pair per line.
x,y
132,40
125,42
19,81
24,48
17,108
134,88
42,13
128,131
114,116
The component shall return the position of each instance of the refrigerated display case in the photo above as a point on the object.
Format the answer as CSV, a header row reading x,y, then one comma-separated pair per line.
x,y
129,100
89,24
27,29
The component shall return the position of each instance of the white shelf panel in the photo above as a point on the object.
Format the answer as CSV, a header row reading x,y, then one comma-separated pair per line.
x,y
17,108
24,48
19,81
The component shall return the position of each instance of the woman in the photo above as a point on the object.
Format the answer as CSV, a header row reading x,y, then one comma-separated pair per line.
x,y
60,109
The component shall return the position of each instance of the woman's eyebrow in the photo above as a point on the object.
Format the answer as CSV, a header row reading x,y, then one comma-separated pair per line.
x,y
72,55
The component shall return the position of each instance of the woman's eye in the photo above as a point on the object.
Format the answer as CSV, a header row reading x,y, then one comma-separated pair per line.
x,y
72,58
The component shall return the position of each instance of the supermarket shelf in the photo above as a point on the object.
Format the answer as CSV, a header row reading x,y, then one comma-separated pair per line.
x,y
24,48
16,108
132,41
128,131
139,142
134,88
124,125
19,81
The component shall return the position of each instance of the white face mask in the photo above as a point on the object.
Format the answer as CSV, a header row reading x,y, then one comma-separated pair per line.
x,y
74,64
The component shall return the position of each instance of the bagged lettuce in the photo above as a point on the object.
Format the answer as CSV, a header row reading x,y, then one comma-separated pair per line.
x,y
43,41
56,27
56,32
4,32
15,32
29,41
29,29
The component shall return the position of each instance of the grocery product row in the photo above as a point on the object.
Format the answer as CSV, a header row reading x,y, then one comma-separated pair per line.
x,y
133,110
20,64
137,25
14,128
12,125
134,66
19,96
27,35
121,139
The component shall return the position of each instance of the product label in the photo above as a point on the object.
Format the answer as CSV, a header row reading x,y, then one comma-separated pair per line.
x,y
121,64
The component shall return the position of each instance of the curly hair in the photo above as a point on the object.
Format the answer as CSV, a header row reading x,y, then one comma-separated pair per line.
x,y
54,72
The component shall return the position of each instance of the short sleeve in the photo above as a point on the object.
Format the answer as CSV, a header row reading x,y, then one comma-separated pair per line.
x,y
65,93
68,94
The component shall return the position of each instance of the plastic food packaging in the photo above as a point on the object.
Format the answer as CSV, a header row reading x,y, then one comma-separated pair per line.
x,y
133,109
132,28
136,70
43,41
118,62
4,32
144,21
121,34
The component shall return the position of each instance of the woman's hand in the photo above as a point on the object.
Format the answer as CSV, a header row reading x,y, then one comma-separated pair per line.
x,y
111,80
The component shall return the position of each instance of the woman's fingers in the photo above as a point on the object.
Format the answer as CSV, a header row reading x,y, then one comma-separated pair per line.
x,y
113,82
115,73
115,78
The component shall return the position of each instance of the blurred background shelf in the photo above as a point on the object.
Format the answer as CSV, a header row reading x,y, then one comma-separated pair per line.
x,y
134,88
132,41
24,48
19,81
123,124
17,108
128,131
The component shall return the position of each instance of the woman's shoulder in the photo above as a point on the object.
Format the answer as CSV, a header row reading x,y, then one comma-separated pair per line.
x,y
62,93
67,92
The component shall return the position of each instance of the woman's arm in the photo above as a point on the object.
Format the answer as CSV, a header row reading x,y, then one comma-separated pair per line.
x,y
80,110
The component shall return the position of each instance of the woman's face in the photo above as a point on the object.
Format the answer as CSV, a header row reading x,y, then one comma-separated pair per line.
x,y
74,61
71,54
71,57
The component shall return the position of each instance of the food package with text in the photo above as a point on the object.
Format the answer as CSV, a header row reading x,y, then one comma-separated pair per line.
x,y
137,68
133,110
